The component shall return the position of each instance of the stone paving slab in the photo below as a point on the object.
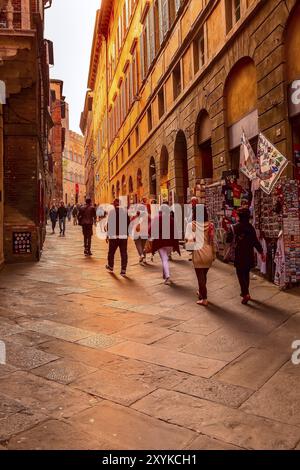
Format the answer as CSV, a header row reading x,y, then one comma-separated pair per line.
x,y
213,390
18,422
57,435
91,357
201,366
166,322
100,341
253,368
63,371
26,358
224,344
112,422
177,341
219,422
9,406
284,406
6,370
43,396
28,339
202,324
109,325
57,330
147,373
8,328
114,387
145,334
203,443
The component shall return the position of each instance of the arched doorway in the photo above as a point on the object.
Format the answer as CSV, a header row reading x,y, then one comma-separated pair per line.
x,y
241,108
164,168
152,178
124,186
181,168
130,185
118,189
292,45
203,144
139,184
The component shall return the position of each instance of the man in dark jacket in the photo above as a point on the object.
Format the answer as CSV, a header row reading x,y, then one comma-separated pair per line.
x,y
117,236
86,218
244,236
53,217
62,213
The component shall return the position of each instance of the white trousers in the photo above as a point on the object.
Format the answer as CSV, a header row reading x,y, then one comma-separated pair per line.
x,y
164,254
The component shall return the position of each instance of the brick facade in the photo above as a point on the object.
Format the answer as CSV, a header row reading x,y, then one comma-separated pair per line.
x,y
24,136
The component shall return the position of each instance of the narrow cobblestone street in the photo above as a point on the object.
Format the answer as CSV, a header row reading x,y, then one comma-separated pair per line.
x,y
95,361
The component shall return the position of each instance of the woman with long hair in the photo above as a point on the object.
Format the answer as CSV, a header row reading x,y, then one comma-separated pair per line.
x,y
203,252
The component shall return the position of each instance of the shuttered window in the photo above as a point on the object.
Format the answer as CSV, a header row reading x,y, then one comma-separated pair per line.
x,y
177,5
130,84
163,18
142,57
151,29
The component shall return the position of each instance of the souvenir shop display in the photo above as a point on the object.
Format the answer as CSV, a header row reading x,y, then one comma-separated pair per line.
x,y
291,230
223,201
278,222
272,163
297,160
275,205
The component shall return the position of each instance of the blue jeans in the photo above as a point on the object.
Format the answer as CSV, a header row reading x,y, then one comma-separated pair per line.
x,y
62,225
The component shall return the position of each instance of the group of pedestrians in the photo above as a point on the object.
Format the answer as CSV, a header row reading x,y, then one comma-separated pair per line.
x,y
242,236
59,214
143,224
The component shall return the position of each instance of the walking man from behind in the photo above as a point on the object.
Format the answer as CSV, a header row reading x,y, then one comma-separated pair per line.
x,y
86,218
62,213
117,236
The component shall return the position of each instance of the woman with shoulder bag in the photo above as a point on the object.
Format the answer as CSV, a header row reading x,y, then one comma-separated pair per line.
x,y
204,255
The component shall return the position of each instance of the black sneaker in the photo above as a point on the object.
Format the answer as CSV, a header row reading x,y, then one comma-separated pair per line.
x,y
108,268
123,273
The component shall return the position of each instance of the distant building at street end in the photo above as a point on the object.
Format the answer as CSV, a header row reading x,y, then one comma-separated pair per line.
x,y
74,188
57,137
86,126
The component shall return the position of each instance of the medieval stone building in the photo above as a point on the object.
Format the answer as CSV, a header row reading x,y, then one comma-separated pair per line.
x,y
174,82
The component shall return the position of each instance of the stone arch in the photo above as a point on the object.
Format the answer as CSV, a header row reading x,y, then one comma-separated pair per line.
x,y
292,75
164,168
123,186
181,167
130,185
152,178
118,189
292,44
203,146
139,184
240,104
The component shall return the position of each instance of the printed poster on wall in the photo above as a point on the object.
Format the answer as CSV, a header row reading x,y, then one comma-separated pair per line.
x,y
272,164
248,160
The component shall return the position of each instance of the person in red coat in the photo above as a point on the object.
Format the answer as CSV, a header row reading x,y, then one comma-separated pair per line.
x,y
165,240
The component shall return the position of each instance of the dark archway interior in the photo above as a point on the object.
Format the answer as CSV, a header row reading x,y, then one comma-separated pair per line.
x,y
152,177
181,168
204,159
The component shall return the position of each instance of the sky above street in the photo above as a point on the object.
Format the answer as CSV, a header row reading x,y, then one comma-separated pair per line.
x,y
70,25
